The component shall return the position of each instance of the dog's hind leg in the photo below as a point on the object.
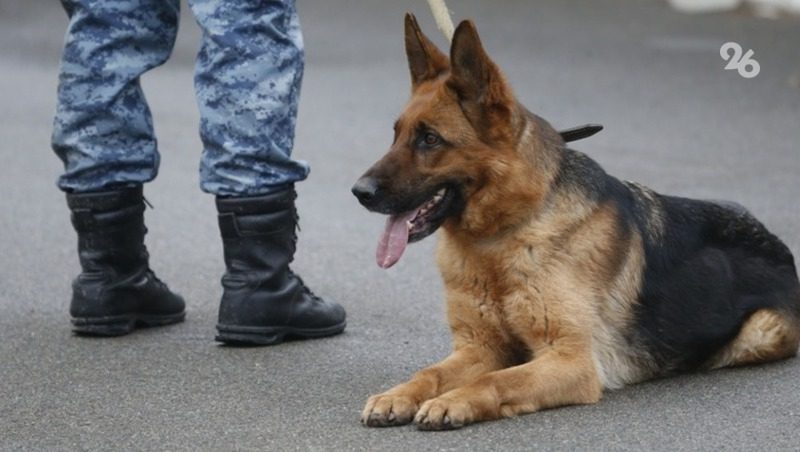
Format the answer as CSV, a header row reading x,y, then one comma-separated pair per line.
x,y
767,335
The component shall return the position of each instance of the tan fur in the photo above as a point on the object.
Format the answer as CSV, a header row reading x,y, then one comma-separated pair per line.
x,y
766,336
646,198
616,361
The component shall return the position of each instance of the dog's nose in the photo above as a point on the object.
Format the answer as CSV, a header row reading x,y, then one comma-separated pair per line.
x,y
365,189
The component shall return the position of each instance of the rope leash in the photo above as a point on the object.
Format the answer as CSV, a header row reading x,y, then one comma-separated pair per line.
x,y
442,17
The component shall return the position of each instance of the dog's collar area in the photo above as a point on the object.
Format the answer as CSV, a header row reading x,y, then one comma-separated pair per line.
x,y
580,132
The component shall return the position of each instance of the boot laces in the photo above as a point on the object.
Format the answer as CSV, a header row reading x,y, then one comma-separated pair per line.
x,y
156,279
304,287
296,228
150,273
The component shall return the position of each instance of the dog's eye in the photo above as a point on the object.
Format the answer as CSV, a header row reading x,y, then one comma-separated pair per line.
x,y
430,139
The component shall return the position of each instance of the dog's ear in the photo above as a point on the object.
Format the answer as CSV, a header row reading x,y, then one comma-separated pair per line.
x,y
425,60
474,77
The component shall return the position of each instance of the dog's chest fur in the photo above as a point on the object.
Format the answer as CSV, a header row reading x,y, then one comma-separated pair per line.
x,y
541,287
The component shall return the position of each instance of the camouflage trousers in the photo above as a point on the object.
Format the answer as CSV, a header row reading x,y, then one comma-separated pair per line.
x,y
247,82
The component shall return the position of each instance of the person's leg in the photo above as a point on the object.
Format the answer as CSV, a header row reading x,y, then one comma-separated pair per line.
x,y
248,76
104,135
249,71
103,130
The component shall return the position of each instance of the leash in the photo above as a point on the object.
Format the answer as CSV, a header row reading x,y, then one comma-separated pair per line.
x,y
442,17
580,132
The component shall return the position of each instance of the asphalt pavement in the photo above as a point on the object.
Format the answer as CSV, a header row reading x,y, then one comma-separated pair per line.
x,y
675,120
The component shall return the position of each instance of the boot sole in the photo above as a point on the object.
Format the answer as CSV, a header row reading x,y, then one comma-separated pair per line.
x,y
254,335
121,325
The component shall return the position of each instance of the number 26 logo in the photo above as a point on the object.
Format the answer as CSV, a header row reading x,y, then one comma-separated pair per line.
x,y
745,65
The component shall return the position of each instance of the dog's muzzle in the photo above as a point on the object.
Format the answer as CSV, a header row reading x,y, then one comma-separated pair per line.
x,y
366,190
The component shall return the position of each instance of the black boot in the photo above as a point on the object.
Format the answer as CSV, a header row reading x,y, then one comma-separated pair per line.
x,y
263,300
116,290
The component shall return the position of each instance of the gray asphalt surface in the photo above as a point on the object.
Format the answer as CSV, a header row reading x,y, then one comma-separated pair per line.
x,y
675,120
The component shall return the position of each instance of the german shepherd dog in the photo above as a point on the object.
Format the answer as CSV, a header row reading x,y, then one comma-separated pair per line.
x,y
560,279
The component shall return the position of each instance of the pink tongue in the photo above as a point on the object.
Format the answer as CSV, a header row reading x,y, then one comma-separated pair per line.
x,y
394,239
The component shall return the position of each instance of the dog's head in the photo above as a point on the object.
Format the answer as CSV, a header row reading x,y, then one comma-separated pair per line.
x,y
454,140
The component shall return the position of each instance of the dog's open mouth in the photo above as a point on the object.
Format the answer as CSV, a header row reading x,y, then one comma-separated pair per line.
x,y
412,226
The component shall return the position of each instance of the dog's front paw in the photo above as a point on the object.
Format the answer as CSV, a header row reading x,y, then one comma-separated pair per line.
x,y
387,410
444,413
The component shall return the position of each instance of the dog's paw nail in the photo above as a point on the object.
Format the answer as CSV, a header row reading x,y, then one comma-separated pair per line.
x,y
391,417
447,420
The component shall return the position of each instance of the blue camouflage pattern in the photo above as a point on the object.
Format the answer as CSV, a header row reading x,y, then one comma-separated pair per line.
x,y
247,82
